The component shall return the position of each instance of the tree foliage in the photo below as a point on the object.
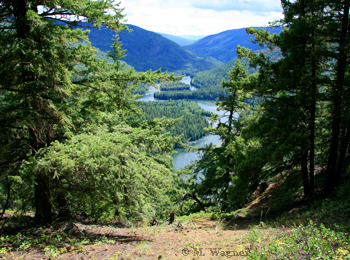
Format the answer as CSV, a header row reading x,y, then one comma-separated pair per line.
x,y
64,112
216,170
300,121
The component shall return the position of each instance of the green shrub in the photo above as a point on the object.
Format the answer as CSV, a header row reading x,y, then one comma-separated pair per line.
x,y
312,241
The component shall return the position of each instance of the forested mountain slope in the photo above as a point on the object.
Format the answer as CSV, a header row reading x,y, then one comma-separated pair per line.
x,y
222,46
148,50
214,77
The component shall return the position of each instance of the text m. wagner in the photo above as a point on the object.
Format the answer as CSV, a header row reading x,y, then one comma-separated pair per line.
x,y
216,252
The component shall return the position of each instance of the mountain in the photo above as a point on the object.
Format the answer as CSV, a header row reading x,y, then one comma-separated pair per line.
x,y
193,37
222,46
215,76
148,50
177,39
182,39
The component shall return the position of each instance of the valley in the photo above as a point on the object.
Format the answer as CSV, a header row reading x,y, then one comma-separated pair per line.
x,y
205,84
148,50
92,160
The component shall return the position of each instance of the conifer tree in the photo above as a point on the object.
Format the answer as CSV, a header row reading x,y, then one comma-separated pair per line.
x,y
310,77
291,86
339,32
301,119
54,89
216,169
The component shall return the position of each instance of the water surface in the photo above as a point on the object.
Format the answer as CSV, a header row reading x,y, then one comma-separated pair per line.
x,y
181,158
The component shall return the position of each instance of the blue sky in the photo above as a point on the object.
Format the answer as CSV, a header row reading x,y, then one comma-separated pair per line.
x,y
200,17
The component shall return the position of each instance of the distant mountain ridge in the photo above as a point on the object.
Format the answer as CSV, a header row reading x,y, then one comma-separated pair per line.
x,y
148,50
182,39
222,46
193,37
177,39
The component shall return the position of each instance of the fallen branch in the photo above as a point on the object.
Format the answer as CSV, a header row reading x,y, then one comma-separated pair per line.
x,y
154,221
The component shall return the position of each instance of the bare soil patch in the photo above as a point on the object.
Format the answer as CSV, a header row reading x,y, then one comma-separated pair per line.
x,y
196,239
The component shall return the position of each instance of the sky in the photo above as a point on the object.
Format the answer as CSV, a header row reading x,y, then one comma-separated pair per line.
x,y
200,17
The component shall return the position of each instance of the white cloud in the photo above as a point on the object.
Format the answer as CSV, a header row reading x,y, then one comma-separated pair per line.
x,y
187,17
238,5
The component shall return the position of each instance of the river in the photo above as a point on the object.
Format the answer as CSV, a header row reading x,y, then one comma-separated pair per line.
x,y
181,158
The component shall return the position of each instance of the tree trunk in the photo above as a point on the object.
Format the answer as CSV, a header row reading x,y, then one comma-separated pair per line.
x,y
312,122
305,173
172,217
63,209
304,149
198,201
343,147
43,205
333,173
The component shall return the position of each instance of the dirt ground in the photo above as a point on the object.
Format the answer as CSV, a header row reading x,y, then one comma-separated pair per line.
x,y
195,239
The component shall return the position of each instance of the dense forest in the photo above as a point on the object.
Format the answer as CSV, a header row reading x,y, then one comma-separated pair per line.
x,y
149,50
212,93
174,86
59,99
215,76
141,89
222,46
194,118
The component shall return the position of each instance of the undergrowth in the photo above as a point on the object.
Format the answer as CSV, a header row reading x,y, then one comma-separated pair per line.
x,y
316,230
49,241
312,241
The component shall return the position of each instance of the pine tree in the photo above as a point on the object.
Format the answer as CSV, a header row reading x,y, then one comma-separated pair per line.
x,y
339,32
54,89
216,168
306,86
300,119
292,85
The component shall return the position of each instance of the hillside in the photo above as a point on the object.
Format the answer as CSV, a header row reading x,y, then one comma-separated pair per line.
x,y
148,50
177,39
215,76
222,46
